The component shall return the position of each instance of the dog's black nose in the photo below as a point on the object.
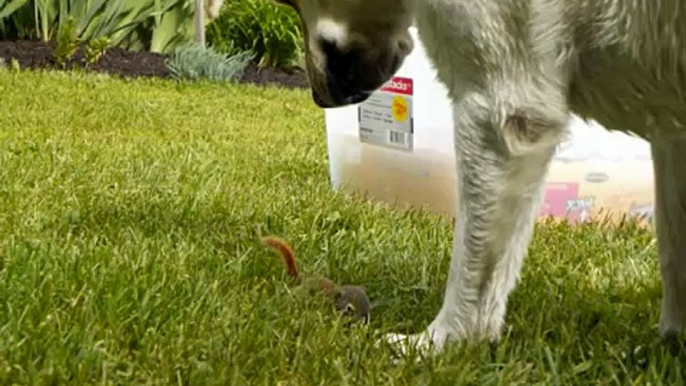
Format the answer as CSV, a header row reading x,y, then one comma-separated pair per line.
x,y
344,77
338,60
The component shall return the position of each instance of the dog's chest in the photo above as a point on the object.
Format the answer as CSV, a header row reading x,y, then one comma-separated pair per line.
x,y
447,36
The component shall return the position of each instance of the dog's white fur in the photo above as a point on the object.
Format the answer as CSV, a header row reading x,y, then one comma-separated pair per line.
x,y
515,69
333,31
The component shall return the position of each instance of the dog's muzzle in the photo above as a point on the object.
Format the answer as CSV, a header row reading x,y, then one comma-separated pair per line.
x,y
352,75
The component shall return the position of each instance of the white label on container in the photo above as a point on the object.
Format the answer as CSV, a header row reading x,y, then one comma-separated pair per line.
x,y
386,116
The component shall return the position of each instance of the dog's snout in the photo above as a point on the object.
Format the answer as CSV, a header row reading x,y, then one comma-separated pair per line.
x,y
354,68
340,63
330,48
344,78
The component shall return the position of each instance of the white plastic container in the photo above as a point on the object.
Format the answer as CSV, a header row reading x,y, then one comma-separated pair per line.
x,y
398,147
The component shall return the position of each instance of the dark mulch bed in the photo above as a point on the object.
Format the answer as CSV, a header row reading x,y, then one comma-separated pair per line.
x,y
116,61
262,76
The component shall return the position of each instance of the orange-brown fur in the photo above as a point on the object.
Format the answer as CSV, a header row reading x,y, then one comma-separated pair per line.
x,y
285,251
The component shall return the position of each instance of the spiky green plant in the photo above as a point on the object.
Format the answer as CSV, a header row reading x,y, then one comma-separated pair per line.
x,y
155,25
14,65
8,8
195,62
95,49
16,20
67,42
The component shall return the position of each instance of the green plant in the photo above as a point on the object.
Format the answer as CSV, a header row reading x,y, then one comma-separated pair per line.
x,y
194,62
269,30
15,66
155,25
8,8
16,20
67,42
95,49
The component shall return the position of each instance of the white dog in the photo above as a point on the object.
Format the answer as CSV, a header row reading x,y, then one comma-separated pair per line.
x,y
515,69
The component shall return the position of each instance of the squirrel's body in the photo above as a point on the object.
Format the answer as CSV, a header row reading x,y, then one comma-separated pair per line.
x,y
350,300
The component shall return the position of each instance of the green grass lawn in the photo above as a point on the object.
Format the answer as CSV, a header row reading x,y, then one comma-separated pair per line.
x,y
129,212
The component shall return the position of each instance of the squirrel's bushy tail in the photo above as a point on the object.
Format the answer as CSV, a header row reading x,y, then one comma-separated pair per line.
x,y
285,251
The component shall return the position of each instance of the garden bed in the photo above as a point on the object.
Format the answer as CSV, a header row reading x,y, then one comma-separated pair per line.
x,y
39,55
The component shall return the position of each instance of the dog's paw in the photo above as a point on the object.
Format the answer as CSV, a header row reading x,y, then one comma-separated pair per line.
x,y
418,346
673,342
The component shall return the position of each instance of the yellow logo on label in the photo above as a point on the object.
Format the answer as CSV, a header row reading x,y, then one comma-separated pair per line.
x,y
399,108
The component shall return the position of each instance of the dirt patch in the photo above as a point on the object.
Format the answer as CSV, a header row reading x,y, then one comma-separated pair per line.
x,y
262,76
131,64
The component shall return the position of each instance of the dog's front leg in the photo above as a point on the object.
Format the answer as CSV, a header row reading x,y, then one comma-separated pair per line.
x,y
503,155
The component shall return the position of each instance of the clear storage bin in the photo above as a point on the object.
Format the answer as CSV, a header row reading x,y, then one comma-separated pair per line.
x,y
398,147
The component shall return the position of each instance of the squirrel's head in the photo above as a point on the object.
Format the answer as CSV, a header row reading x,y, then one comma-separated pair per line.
x,y
353,303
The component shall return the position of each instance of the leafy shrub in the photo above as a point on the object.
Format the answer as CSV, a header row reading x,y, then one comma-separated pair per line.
x,y
194,62
269,30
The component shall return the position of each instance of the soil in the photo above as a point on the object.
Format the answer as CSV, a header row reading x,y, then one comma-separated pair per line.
x,y
131,64
262,76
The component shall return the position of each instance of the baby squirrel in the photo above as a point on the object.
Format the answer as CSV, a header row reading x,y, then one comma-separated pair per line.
x,y
350,300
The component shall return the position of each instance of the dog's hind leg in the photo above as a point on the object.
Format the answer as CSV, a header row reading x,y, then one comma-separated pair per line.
x,y
669,159
503,157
